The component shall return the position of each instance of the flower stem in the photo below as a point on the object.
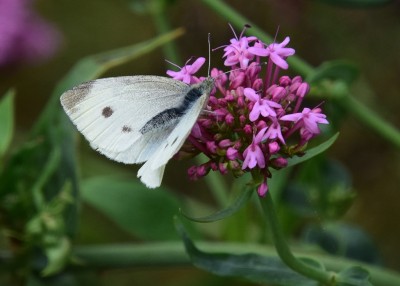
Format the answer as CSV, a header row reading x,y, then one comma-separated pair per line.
x,y
370,119
326,278
163,26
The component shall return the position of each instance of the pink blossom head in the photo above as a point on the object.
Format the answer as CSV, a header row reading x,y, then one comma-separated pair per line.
x,y
255,119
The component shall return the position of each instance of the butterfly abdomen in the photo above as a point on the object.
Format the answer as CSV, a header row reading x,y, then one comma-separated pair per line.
x,y
172,115
161,120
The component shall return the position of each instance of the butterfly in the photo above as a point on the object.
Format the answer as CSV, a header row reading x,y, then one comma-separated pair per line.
x,y
137,119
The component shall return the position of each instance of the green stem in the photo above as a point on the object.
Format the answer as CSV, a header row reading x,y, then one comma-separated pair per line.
x,y
170,254
163,26
371,119
283,250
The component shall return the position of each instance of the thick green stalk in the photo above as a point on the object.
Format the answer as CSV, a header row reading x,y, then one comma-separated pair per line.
x,y
326,278
171,254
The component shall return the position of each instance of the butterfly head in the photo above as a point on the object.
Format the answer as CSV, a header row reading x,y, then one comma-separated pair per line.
x,y
206,86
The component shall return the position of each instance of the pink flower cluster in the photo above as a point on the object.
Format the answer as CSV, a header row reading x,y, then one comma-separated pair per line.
x,y
251,117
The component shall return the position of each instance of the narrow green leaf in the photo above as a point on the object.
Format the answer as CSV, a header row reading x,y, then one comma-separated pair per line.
x,y
253,267
238,203
313,151
354,276
6,121
335,70
48,170
145,213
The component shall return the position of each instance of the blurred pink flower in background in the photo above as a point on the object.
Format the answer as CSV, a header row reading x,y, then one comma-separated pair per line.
x,y
24,36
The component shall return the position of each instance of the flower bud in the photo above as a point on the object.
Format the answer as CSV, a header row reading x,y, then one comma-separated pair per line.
x,y
225,143
279,163
273,147
285,81
229,119
303,89
211,146
262,189
232,153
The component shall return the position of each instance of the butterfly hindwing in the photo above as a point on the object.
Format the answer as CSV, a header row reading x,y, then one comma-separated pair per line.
x,y
169,147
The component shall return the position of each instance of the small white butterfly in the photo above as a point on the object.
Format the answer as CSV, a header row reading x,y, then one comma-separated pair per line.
x,y
136,119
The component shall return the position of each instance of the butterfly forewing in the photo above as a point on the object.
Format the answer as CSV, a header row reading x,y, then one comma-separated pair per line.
x,y
110,112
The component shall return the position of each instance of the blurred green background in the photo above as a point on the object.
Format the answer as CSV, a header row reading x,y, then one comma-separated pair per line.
x,y
319,31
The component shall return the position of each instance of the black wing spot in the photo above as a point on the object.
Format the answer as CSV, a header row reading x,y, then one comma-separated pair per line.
x,y
107,112
126,129
173,142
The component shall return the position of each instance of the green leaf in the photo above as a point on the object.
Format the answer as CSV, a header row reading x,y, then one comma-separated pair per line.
x,y
230,210
335,70
253,267
353,276
313,151
140,211
6,121
322,187
344,240
358,3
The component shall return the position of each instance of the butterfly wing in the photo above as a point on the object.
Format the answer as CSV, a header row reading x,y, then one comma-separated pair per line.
x,y
152,171
110,113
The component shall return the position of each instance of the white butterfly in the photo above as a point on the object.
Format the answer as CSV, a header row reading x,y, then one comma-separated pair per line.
x,y
136,119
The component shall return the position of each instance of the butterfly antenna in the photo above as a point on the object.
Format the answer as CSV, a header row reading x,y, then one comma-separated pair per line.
x,y
209,53
233,30
276,34
171,63
245,27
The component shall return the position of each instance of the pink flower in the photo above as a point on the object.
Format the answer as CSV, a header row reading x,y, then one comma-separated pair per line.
x,y
237,52
262,107
308,118
186,73
276,52
274,131
253,155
